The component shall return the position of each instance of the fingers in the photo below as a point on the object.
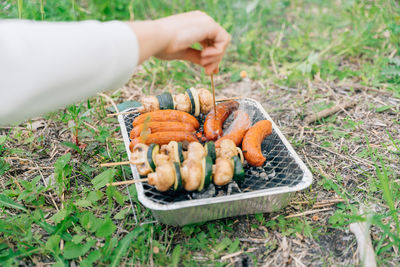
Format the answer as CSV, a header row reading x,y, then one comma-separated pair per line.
x,y
192,55
219,42
208,60
212,68
209,63
189,54
212,55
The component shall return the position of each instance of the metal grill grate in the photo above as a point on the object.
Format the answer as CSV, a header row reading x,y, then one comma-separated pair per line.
x,y
280,168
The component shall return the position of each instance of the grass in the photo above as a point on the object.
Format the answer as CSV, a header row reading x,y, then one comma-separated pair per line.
x,y
55,209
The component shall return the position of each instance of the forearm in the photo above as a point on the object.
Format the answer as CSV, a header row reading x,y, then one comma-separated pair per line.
x,y
152,38
46,65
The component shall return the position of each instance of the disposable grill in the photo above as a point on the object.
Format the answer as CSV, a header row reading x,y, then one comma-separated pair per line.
x,y
265,189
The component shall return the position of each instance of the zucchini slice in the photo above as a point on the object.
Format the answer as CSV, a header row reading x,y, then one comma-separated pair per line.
x,y
210,150
166,101
178,185
238,171
153,150
194,101
207,173
177,149
180,152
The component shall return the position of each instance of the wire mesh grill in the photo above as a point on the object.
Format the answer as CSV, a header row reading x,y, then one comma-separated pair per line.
x,y
280,168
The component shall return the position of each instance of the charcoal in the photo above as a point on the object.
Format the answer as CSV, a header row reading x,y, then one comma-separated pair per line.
x,y
233,188
255,173
221,193
209,192
271,174
264,175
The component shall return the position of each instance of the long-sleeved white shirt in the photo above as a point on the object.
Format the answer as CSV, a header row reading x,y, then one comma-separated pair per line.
x,y
47,65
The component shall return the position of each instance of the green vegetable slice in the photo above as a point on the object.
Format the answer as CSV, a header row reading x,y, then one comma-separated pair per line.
x,y
165,101
153,150
238,171
210,150
178,186
192,103
180,152
177,150
207,173
196,102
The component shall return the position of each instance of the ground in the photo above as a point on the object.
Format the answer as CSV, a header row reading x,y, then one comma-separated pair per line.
x,y
301,57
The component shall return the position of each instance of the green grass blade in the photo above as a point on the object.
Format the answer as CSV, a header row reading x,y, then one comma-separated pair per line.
x,y
42,9
123,246
387,193
9,203
20,9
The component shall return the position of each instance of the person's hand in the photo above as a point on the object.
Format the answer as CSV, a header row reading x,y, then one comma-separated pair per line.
x,y
186,29
172,38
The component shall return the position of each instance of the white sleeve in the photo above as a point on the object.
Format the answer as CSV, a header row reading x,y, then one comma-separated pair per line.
x,y
47,65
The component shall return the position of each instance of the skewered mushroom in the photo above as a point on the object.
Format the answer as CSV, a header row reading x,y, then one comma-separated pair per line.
x,y
227,149
196,151
164,177
191,172
139,158
222,171
192,101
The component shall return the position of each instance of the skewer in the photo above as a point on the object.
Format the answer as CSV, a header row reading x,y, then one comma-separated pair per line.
x,y
173,168
210,43
213,91
123,112
135,109
129,182
111,164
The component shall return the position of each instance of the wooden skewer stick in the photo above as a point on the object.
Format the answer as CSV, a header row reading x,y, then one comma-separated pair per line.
x,y
111,164
135,109
123,112
128,182
213,92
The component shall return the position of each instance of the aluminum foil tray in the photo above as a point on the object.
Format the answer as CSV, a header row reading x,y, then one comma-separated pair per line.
x,y
265,189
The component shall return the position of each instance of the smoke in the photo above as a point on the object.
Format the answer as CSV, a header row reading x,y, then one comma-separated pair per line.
x,y
240,119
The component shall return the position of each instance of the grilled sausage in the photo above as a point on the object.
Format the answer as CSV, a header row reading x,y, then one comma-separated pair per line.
x,y
163,138
166,115
238,128
214,121
161,126
252,142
